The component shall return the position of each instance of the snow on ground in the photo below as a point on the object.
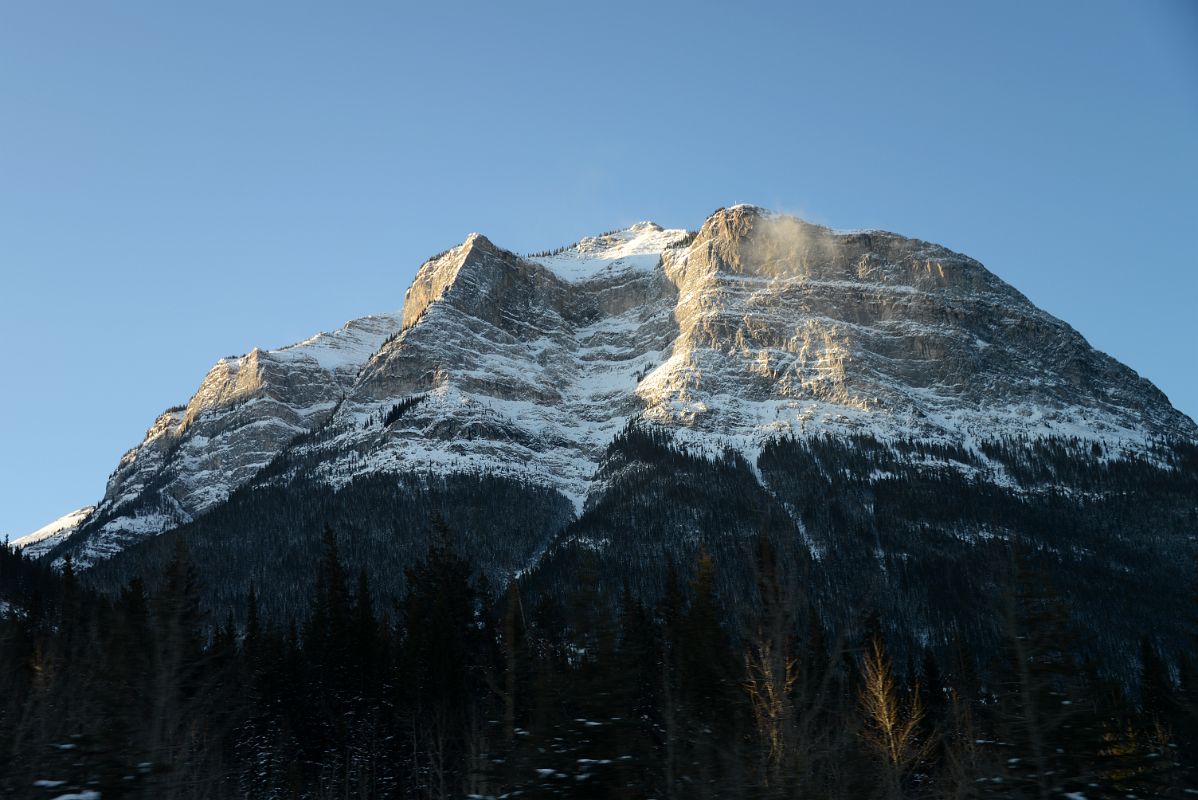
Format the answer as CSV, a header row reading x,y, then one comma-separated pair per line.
x,y
348,346
63,526
544,410
636,248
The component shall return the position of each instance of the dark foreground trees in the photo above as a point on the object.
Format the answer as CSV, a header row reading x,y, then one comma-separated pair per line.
x,y
463,689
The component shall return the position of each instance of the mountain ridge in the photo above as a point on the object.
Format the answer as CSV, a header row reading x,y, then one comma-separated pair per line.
x,y
756,326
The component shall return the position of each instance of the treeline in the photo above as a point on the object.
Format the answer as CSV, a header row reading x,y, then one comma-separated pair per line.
x,y
395,412
915,530
557,251
463,688
268,536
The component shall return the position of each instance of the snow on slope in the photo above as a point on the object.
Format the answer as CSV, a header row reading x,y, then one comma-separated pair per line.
x,y
520,373
346,348
728,339
45,537
246,411
636,248
756,326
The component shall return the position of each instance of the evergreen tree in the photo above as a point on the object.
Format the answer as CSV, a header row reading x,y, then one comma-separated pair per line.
x,y
440,652
326,634
1051,741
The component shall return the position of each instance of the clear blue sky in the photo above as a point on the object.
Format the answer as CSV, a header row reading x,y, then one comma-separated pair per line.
x,y
183,181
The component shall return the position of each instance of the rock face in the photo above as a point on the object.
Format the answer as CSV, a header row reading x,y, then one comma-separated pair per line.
x,y
785,327
246,411
755,328
523,367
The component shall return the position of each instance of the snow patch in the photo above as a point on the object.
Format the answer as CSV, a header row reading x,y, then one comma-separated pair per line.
x,y
347,347
636,248
49,535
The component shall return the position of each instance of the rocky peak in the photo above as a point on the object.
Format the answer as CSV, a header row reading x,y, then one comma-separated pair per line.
x,y
246,411
755,327
229,382
437,275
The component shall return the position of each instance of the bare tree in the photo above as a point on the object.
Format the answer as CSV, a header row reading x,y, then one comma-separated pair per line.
x,y
788,681
892,726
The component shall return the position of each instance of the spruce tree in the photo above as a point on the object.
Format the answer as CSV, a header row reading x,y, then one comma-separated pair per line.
x,y
440,651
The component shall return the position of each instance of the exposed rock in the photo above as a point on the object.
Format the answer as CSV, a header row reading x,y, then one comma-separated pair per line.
x,y
246,411
757,327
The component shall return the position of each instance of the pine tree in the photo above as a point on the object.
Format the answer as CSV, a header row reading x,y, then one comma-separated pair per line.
x,y
365,647
1049,738
707,687
179,684
440,652
326,634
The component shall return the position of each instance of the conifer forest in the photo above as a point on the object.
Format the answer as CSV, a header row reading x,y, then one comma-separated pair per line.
x,y
465,688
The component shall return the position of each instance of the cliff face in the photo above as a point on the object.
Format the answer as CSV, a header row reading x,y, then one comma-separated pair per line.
x,y
755,328
786,326
523,367
246,411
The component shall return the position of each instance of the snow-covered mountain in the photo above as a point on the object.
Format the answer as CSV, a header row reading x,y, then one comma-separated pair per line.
x,y
248,408
40,542
754,328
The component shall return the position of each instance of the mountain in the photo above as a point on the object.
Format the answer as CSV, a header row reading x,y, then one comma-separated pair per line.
x,y
248,408
884,406
41,541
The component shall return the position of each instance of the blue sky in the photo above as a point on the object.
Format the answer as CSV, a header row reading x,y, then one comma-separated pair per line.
x,y
180,182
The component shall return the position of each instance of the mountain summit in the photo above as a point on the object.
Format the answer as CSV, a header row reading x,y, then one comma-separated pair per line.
x,y
874,402
756,327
